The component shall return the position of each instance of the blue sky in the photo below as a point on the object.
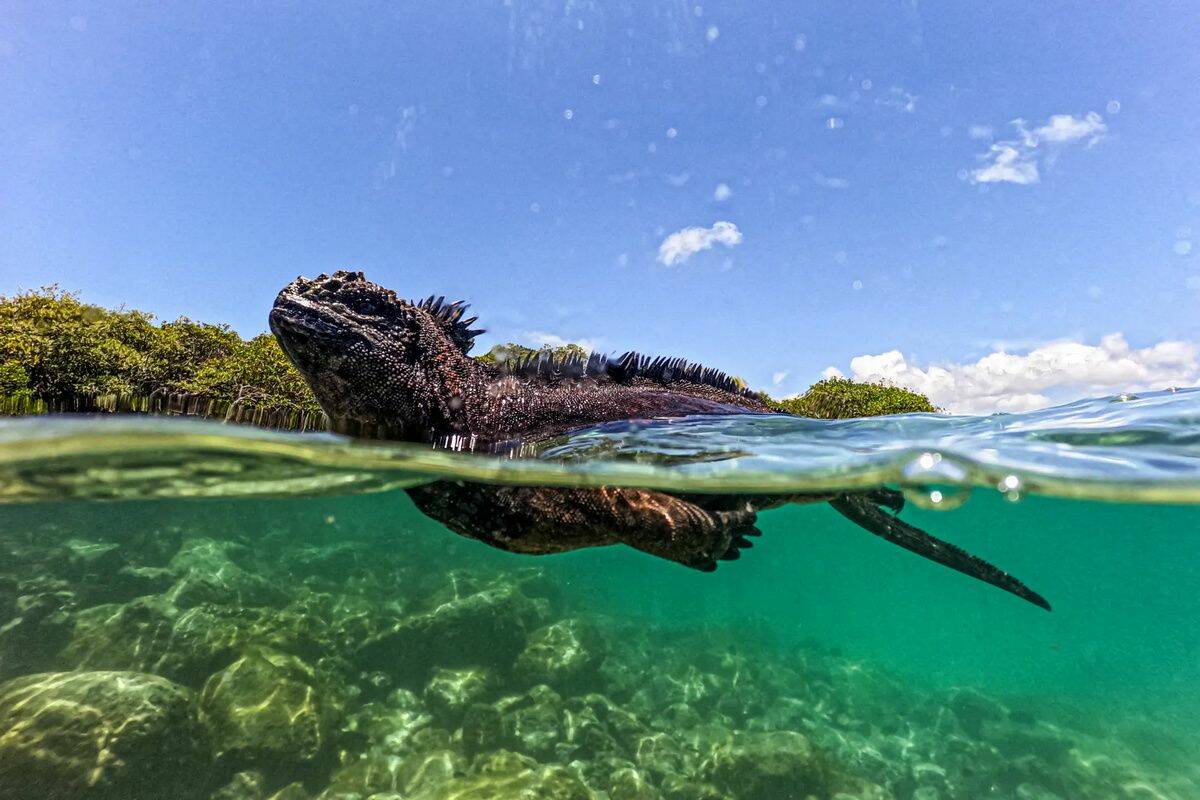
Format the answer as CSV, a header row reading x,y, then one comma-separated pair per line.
x,y
874,194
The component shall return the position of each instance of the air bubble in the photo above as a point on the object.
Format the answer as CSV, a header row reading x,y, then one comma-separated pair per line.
x,y
935,481
1011,487
937,498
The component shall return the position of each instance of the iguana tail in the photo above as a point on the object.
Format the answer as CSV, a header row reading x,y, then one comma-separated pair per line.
x,y
864,511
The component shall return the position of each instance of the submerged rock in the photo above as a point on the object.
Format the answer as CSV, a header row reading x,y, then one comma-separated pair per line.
x,y
780,765
375,774
39,630
209,575
507,776
451,691
563,655
100,736
486,629
266,711
151,634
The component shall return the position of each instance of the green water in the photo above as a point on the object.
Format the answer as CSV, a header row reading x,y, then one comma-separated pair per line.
x,y
348,647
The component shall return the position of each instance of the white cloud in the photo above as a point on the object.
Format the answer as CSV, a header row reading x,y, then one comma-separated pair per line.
x,y
980,132
1016,161
543,339
1065,128
778,377
722,192
831,183
1048,374
1009,165
682,245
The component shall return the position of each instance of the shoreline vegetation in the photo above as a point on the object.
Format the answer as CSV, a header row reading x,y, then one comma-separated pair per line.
x,y
61,355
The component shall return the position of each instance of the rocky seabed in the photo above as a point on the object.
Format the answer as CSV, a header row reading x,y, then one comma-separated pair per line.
x,y
168,664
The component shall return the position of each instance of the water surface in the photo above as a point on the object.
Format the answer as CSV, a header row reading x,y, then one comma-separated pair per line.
x,y
326,640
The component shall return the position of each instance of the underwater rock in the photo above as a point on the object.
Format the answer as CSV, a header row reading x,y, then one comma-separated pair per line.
x,y
562,654
482,729
388,726
244,786
91,558
660,755
677,787
486,629
209,575
450,691
973,709
533,722
629,784
507,776
293,791
130,582
266,710
778,765
39,630
92,735
150,634
375,774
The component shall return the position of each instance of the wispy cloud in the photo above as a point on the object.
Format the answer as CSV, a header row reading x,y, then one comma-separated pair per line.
x,y
1047,374
830,182
898,99
683,244
1016,160
1009,164
722,192
544,339
981,132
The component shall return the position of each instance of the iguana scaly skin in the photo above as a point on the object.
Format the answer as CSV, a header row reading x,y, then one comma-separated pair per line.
x,y
387,367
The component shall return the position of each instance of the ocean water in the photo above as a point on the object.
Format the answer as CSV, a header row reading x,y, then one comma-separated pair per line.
x,y
203,611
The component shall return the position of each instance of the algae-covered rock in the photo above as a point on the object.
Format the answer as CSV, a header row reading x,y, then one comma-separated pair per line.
x,y
629,784
482,729
388,726
417,774
244,786
41,627
677,787
266,710
450,691
151,634
293,791
484,629
777,765
973,710
210,575
506,776
533,722
562,655
100,736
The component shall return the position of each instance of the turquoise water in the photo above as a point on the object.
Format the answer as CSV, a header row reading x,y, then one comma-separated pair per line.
x,y
282,622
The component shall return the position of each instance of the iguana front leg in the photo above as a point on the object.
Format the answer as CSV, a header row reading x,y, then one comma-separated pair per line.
x,y
529,519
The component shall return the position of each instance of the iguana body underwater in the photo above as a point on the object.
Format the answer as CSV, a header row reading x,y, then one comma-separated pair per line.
x,y
387,367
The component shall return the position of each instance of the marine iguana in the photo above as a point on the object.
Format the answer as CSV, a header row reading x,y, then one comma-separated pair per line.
x,y
387,367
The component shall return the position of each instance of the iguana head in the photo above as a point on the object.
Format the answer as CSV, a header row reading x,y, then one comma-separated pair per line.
x,y
377,363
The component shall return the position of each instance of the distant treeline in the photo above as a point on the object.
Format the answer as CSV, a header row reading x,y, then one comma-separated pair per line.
x,y
58,353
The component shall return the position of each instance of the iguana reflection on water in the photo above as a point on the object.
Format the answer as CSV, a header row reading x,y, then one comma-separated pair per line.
x,y
399,369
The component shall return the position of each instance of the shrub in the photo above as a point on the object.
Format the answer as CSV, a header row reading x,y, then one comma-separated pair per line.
x,y
842,398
